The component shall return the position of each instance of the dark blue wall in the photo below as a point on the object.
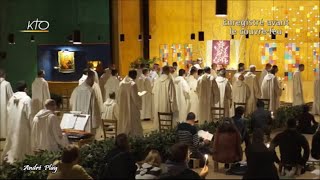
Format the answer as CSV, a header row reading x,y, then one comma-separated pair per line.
x,y
48,59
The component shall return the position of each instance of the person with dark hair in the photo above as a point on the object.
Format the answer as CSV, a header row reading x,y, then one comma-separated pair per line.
x,y
164,95
240,124
103,80
240,71
261,119
130,104
183,95
112,84
86,98
68,167
250,78
260,160
175,65
265,71
291,143
120,163
225,91
5,94
297,87
173,73
305,120
194,100
271,89
208,93
177,164
315,146
144,84
40,93
200,72
19,131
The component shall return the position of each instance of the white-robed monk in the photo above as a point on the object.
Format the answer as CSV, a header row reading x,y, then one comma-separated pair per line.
x,y
297,87
5,95
144,84
96,76
46,133
102,82
208,93
271,89
154,73
316,102
194,99
183,95
214,70
129,105
18,143
240,92
225,89
164,95
110,108
112,84
255,92
84,99
40,92
240,71
264,72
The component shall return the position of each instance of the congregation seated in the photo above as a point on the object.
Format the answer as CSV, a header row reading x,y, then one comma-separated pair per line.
x,y
176,167
315,146
260,160
120,163
188,134
291,143
227,144
68,167
240,124
305,120
150,167
46,132
261,118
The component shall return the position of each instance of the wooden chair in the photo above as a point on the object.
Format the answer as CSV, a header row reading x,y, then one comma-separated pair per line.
x,y
217,113
165,124
244,105
266,103
109,128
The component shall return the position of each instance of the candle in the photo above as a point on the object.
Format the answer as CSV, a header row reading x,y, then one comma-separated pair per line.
x,y
268,145
206,157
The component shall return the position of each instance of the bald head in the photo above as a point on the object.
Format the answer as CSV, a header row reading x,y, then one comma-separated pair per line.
x,y
50,104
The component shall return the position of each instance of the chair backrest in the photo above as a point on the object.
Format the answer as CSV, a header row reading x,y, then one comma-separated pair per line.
x,y
266,103
217,113
109,128
236,104
165,121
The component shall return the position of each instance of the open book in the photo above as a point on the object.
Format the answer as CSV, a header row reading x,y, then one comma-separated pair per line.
x,y
205,135
73,121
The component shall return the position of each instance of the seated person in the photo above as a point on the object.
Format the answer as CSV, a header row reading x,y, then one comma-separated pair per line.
x,y
177,164
315,147
305,120
240,124
262,119
68,167
150,167
120,162
291,143
46,133
260,160
110,108
227,144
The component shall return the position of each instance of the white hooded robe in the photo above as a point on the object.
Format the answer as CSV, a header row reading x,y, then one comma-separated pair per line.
x,y
40,93
194,100
255,92
112,85
297,89
225,89
316,102
240,94
183,97
271,89
144,84
5,95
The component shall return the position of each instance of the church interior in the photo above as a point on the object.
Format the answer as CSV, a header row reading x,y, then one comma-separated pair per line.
x,y
63,37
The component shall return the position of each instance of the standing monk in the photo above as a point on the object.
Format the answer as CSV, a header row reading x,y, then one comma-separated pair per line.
x,y
5,95
40,92
183,95
255,92
316,102
194,100
297,87
264,73
240,92
144,84
225,92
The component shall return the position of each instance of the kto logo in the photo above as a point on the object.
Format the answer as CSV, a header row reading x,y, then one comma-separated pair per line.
x,y
37,26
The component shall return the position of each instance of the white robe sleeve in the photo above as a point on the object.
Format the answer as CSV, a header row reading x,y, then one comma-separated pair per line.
x,y
54,127
46,92
136,98
186,90
172,97
9,91
216,92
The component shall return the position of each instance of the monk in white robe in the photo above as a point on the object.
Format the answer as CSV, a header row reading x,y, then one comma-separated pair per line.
x,y
164,95
209,95
144,84
112,84
84,99
264,72
103,80
316,101
5,95
18,143
271,89
183,95
110,108
255,92
154,73
225,89
40,92
240,93
214,70
84,76
297,87
46,133
96,76
241,71
194,99
130,105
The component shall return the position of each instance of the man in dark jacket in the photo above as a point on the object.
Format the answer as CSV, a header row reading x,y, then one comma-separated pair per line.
x,y
262,119
240,124
315,148
305,120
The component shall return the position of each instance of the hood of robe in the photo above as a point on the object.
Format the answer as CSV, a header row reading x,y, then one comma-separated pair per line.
x,y
42,114
238,83
178,79
109,102
127,80
18,96
206,77
220,79
269,77
1,79
163,77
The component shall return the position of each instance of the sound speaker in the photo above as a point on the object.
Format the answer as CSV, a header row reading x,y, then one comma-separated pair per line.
x,y
201,36
221,7
122,37
193,36
11,38
76,37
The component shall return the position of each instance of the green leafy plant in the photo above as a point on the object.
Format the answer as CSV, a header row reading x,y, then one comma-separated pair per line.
x,y
137,62
284,113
